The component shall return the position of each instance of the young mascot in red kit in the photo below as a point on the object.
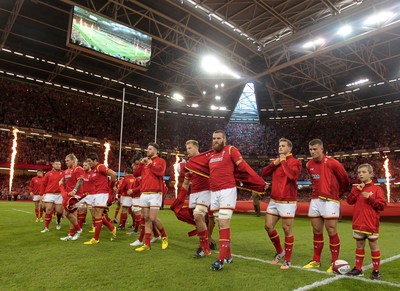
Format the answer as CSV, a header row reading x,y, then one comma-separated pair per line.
x,y
368,200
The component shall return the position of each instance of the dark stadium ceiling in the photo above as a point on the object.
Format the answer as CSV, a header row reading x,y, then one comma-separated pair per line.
x,y
262,40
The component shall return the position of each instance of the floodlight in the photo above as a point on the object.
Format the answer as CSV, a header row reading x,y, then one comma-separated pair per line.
x,y
177,97
379,18
345,30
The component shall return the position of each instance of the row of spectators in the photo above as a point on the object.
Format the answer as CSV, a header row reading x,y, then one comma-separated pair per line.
x,y
30,106
41,151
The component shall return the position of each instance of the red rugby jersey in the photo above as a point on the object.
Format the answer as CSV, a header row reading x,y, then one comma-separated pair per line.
x,y
152,175
284,178
367,210
88,185
71,176
329,178
100,179
35,185
125,184
198,182
222,167
50,183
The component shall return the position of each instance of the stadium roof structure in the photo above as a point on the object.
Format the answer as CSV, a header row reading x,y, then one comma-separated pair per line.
x,y
296,53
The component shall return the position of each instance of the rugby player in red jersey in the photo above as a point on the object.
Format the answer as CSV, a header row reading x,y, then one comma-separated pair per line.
x,y
151,169
34,191
222,163
285,171
126,199
88,189
71,187
199,200
52,195
329,181
99,177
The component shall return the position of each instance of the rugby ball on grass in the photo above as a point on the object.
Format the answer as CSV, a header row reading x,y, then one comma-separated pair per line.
x,y
341,267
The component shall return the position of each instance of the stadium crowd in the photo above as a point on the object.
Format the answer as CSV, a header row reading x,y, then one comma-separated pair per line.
x,y
56,114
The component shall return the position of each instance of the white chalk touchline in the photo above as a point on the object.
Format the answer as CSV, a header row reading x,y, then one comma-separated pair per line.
x,y
329,280
22,211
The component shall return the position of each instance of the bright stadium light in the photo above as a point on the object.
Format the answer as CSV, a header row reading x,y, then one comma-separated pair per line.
x,y
217,97
314,43
345,30
213,107
212,65
379,18
177,97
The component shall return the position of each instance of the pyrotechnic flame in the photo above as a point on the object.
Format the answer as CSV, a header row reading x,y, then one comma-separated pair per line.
x,y
13,155
387,175
176,174
107,146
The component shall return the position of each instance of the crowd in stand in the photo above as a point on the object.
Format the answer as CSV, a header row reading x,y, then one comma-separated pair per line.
x,y
29,106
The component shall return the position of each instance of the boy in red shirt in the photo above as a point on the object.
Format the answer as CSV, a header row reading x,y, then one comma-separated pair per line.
x,y
369,200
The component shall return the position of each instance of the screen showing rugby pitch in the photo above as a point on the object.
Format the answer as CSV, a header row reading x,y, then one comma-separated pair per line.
x,y
101,36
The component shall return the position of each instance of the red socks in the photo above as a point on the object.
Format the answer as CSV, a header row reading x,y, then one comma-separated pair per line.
x,y
318,246
81,218
276,241
147,236
289,242
360,254
224,244
123,218
37,212
155,231
47,220
334,246
163,234
107,222
203,237
142,229
376,259
98,223
116,212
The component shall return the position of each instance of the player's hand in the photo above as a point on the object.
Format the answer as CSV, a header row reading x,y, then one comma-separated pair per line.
x,y
266,186
282,157
129,192
277,161
72,193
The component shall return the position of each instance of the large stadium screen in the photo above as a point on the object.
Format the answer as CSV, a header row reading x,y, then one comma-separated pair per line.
x,y
103,37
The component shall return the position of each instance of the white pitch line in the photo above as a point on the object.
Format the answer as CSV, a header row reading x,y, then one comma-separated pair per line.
x,y
22,211
269,262
332,279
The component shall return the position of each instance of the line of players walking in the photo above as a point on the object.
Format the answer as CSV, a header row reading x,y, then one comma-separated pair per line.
x,y
212,178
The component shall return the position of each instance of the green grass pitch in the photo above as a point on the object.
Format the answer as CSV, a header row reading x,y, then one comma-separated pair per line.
x,y
32,260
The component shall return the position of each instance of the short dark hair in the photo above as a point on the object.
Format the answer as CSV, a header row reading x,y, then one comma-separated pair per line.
x,y
315,142
128,171
136,157
40,170
154,145
92,156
